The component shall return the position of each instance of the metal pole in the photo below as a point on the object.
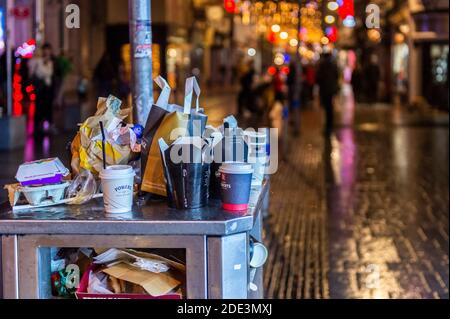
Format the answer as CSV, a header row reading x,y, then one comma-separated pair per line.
x,y
39,23
141,56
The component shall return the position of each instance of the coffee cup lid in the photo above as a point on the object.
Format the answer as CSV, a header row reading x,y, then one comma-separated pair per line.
x,y
117,171
258,144
256,134
236,168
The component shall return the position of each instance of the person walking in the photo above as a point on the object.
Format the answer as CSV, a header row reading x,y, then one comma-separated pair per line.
x,y
294,84
327,78
104,76
373,79
309,83
357,83
245,95
43,72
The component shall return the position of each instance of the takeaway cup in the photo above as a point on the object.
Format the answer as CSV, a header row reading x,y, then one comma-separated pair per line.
x,y
236,180
187,181
117,185
190,185
258,159
255,137
259,164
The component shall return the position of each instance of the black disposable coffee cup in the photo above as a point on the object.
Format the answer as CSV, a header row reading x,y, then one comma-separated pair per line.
x,y
189,185
206,177
236,181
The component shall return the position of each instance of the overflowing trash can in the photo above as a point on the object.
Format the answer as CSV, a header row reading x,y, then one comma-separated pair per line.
x,y
172,210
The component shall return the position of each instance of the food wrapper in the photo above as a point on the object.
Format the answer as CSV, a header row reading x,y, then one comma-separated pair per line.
x,y
87,145
13,193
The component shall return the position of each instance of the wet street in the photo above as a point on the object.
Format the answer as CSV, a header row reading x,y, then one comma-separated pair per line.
x,y
387,199
363,214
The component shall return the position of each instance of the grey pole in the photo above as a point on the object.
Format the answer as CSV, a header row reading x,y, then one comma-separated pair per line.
x,y
141,56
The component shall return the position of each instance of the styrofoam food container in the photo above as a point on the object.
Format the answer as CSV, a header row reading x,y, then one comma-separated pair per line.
x,y
36,195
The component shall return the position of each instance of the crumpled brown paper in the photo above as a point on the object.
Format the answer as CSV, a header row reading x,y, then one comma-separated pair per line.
x,y
87,146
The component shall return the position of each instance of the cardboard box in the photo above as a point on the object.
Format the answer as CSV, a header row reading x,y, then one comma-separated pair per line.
x,y
82,293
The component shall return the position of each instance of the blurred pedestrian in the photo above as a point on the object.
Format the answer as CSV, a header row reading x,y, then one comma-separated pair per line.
x,y
124,86
82,89
64,68
373,79
3,77
245,95
104,75
43,72
327,79
309,83
358,83
279,86
294,83
279,113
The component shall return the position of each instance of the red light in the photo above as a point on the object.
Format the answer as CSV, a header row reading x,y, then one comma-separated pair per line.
x,y
32,109
272,70
17,109
285,70
230,6
33,97
333,34
18,97
29,89
346,9
271,37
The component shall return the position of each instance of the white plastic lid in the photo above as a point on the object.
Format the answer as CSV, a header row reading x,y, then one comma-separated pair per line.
x,y
236,168
255,134
117,171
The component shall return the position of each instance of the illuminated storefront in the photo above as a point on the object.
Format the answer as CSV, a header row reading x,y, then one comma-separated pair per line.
x,y
427,38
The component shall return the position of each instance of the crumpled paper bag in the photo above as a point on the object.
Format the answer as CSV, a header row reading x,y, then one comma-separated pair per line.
x,y
87,145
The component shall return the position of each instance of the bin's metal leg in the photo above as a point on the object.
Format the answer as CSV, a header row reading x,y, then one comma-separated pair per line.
x,y
257,234
265,209
228,267
10,273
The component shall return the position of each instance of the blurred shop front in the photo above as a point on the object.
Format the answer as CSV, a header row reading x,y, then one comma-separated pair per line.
x,y
420,51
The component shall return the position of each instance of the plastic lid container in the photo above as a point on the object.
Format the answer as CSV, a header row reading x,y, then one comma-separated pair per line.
x,y
117,171
236,168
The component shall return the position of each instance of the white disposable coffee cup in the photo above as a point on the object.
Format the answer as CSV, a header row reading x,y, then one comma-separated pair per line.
x,y
259,164
255,137
118,185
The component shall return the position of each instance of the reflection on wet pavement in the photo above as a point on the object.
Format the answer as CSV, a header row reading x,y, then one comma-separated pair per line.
x,y
388,212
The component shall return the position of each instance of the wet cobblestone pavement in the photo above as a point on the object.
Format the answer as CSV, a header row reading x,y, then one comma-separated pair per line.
x,y
362,215
388,213
296,229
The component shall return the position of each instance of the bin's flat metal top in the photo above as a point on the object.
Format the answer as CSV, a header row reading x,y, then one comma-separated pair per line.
x,y
153,219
